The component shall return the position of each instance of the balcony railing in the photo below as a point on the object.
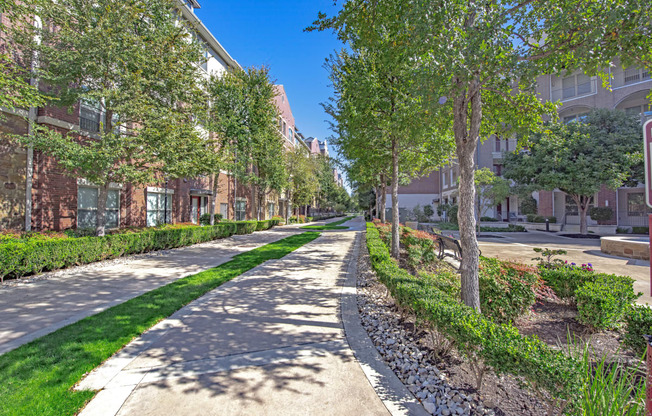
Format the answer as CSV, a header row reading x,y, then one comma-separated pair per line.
x,y
622,77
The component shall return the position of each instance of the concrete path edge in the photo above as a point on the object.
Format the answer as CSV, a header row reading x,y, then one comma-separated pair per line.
x,y
395,396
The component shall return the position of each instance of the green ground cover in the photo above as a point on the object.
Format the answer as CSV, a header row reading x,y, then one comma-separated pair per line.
x,y
330,226
37,378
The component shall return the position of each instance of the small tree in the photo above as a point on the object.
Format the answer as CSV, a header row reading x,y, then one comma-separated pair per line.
x,y
491,190
243,115
578,158
303,184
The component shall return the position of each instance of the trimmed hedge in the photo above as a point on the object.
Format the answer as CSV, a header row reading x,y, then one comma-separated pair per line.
x,y
565,281
540,218
638,322
499,345
21,257
602,303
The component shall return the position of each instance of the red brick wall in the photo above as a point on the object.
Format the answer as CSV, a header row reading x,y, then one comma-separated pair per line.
x,y
605,195
545,206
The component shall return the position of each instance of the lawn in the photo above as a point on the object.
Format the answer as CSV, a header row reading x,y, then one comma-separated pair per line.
x,y
331,226
36,378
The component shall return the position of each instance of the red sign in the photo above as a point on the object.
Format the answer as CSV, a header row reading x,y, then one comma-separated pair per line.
x,y
647,151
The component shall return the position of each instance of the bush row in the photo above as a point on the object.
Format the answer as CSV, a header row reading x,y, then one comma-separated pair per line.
x,y
499,346
540,218
28,256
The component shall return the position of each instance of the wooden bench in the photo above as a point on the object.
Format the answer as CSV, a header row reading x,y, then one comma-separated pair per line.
x,y
448,244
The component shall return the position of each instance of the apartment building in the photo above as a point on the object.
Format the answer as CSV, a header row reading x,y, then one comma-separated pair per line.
x,y
578,94
35,194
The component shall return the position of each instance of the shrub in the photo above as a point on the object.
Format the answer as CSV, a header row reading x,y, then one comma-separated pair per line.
x,y
205,219
420,246
266,224
640,230
27,256
638,322
601,213
489,219
602,303
529,206
499,346
540,219
507,290
565,281
428,211
622,230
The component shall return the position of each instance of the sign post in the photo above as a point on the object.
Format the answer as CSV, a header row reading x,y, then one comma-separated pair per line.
x,y
647,151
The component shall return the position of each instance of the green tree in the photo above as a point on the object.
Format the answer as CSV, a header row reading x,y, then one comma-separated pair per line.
x,y
17,80
243,115
491,190
136,65
303,183
482,59
376,106
578,158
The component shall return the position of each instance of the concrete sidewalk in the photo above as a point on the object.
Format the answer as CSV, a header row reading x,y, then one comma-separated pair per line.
x,y
269,342
34,307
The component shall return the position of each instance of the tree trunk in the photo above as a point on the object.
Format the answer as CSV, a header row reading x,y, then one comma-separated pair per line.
x,y
466,140
376,200
211,198
395,228
383,198
102,196
583,209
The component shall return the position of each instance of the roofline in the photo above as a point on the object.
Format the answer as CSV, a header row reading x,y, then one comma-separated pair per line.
x,y
203,31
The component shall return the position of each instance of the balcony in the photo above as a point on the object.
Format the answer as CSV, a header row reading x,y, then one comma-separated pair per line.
x,y
621,77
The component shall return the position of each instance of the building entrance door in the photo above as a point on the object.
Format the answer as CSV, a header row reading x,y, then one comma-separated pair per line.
x,y
195,209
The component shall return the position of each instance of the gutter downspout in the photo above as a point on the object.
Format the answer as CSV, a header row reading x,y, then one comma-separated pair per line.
x,y
32,117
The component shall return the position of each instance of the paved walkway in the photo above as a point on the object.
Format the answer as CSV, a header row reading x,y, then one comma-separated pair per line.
x,y
33,308
518,247
270,342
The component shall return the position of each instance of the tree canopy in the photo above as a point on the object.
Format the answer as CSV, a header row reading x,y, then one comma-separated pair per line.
x,y
578,158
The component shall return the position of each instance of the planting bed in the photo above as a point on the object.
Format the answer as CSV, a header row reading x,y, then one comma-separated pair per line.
x,y
442,383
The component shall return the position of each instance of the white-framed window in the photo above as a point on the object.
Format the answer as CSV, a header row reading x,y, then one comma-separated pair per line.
x,y
240,209
271,209
158,206
224,210
576,85
290,135
87,207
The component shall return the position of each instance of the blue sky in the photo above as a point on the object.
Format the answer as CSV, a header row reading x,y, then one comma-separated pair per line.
x,y
270,33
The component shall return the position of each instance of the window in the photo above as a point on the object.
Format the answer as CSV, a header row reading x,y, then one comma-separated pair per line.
x,y
290,134
90,116
498,170
284,131
443,179
572,86
87,207
240,210
574,117
497,144
636,204
224,210
271,209
157,206
633,75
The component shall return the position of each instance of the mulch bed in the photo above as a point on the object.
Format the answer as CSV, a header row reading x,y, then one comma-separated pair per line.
x,y
588,236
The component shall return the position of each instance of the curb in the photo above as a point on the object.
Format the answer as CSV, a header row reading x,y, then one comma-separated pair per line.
x,y
392,392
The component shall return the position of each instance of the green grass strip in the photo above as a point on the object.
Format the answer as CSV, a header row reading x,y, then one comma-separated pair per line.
x,y
329,226
36,378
